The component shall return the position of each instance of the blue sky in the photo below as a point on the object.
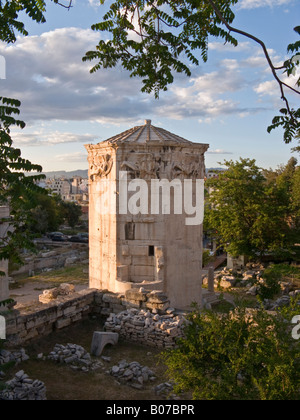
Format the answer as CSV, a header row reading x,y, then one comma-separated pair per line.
x,y
228,102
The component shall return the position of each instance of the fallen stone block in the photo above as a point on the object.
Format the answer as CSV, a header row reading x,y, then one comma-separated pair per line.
x,y
227,282
70,261
49,295
66,289
135,295
101,339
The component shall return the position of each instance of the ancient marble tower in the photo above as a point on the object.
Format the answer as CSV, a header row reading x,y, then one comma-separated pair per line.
x,y
143,232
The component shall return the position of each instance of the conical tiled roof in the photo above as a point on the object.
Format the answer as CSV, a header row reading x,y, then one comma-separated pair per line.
x,y
146,134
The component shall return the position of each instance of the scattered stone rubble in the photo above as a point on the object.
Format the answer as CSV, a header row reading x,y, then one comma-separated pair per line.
x,y
166,390
75,356
284,300
21,388
61,255
132,374
250,278
17,356
137,376
228,278
147,328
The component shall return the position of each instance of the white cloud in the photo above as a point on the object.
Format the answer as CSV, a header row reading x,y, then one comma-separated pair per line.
x,y
267,88
47,74
272,88
208,95
230,64
219,152
221,47
77,157
40,138
94,3
253,4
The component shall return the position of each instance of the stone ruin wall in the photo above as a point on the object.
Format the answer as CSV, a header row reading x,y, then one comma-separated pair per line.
x,y
138,316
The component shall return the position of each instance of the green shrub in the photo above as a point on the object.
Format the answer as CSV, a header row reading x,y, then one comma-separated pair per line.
x,y
271,286
272,277
206,257
285,271
236,356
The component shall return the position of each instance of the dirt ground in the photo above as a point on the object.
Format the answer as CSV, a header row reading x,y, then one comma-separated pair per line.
x,y
29,292
63,383
26,290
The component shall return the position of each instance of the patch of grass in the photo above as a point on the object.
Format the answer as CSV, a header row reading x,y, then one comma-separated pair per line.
x,y
241,298
223,307
77,274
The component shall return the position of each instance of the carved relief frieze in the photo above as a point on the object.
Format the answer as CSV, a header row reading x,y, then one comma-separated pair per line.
x,y
100,165
168,165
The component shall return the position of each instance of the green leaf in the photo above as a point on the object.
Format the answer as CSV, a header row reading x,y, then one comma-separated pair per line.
x,y
17,189
167,31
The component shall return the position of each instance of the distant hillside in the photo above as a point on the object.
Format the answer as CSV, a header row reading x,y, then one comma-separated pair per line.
x,y
64,174
215,169
84,173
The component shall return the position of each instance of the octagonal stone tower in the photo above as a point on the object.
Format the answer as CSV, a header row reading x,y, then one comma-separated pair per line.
x,y
146,209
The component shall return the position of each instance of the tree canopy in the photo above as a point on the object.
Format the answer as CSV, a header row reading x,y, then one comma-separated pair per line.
x,y
17,187
9,14
253,212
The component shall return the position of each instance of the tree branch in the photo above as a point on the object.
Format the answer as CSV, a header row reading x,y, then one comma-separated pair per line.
x,y
64,5
261,43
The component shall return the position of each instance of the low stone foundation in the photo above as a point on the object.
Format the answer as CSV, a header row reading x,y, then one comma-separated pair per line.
x,y
143,327
55,256
42,319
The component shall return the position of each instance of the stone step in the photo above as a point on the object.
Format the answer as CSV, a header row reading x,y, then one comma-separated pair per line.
x,y
151,285
209,296
209,299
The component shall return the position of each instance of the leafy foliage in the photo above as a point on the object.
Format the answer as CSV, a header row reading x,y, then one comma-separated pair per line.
x,y
71,212
274,274
296,192
149,38
294,61
270,287
17,189
289,119
47,215
50,212
249,214
233,356
9,14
